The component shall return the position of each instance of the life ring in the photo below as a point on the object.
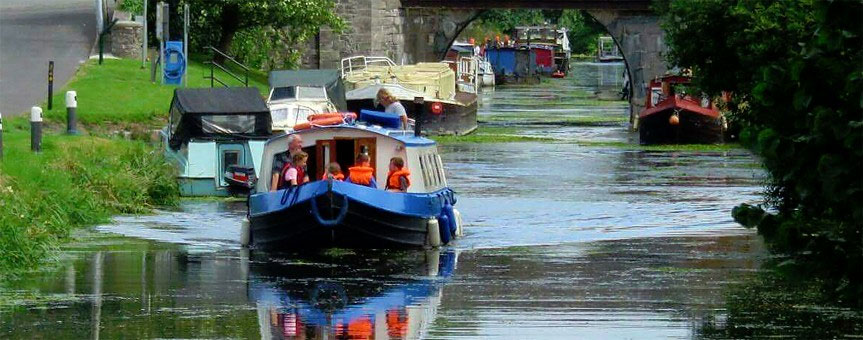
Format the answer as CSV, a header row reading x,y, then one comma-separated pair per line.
x,y
324,119
317,116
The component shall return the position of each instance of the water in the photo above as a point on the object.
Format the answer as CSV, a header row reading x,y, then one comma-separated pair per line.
x,y
563,241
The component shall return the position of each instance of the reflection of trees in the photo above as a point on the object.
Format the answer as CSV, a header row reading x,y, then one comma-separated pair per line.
x,y
780,302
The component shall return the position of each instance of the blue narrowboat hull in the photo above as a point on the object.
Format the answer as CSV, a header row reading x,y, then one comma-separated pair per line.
x,y
337,214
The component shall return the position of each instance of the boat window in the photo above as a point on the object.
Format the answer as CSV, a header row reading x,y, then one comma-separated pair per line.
x,y
279,114
440,170
311,92
433,169
226,124
280,93
230,158
424,171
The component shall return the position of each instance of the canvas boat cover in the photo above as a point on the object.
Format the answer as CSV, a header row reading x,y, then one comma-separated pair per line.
x,y
329,79
218,113
435,80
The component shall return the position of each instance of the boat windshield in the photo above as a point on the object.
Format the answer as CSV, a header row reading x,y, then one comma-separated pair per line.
x,y
311,92
280,93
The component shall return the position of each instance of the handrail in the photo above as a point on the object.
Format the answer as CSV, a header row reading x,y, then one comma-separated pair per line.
x,y
214,64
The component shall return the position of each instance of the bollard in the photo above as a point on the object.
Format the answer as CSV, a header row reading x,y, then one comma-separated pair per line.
x,y
36,129
71,113
1,136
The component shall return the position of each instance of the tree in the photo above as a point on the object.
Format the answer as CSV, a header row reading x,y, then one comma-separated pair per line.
x,y
795,69
291,22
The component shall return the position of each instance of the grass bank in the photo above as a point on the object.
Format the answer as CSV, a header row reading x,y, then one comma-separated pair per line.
x,y
76,181
118,94
490,134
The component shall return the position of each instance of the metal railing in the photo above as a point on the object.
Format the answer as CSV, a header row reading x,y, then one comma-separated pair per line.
x,y
215,65
359,63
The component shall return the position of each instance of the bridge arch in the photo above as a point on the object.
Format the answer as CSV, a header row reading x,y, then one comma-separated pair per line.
x,y
412,31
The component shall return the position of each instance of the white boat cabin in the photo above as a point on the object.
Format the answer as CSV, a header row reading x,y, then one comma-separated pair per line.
x,y
294,95
343,143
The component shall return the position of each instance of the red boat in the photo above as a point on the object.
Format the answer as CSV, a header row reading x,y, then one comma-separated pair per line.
x,y
678,118
558,74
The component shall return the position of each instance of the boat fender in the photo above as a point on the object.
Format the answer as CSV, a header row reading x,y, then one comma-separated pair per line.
x,y
459,230
343,211
245,232
445,233
433,232
448,210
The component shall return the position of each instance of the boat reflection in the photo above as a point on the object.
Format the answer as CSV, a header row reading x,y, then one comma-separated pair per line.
x,y
369,296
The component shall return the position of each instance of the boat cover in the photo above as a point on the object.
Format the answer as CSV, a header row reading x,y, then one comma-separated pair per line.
x,y
330,79
218,113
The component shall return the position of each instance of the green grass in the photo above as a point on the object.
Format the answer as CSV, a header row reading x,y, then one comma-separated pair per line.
x,y
75,181
119,92
490,134
561,120
665,147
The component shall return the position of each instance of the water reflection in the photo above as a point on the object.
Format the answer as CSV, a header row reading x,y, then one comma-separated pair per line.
x,y
136,289
395,297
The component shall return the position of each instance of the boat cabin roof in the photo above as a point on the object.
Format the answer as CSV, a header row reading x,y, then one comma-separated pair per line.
x,y
218,113
329,79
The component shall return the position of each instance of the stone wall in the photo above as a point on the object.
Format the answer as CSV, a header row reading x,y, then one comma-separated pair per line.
x,y
126,39
642,42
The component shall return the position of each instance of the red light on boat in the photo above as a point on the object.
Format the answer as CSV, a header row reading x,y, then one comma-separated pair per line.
x,y
674,120
436,108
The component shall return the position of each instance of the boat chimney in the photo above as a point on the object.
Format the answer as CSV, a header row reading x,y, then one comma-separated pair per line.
x,y
419,108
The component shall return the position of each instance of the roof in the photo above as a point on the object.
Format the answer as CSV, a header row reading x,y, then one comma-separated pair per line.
x,y
406,137
224,100
329,79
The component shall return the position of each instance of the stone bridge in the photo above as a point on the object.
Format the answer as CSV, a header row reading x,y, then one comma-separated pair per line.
x,y
410,31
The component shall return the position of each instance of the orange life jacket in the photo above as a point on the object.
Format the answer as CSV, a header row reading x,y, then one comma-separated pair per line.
x,y
338,177
361,174
393,178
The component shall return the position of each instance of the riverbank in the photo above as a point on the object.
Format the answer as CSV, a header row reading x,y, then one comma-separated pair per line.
x,y
75,181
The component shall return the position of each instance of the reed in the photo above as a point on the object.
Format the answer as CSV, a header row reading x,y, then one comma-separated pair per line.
x,y
76,181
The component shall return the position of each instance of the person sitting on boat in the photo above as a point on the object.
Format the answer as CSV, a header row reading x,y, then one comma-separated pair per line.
x,y
293,177
334,171
398,180
362,173
283,161
392,105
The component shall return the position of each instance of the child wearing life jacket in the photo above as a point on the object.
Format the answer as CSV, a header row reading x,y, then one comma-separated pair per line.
x,y
334,170
362,173
398,180
292,174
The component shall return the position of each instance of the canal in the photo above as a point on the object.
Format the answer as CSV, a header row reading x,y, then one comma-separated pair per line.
x,y
580,236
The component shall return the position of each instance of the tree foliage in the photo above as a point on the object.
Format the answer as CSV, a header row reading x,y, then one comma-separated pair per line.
x,y
583,29
795,69
263,33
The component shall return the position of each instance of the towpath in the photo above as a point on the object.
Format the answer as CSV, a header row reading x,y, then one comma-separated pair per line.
x,y
32,32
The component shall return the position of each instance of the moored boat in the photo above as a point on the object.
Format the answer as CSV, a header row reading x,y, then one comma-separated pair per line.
x,y
296,94
607,50
328,212
215,138
453,111
678,118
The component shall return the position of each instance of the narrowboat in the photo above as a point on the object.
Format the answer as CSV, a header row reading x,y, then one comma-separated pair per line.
x,y
453,111
468,58
332,213
215,137
678,118
550,46
331,302
294,95
513,65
